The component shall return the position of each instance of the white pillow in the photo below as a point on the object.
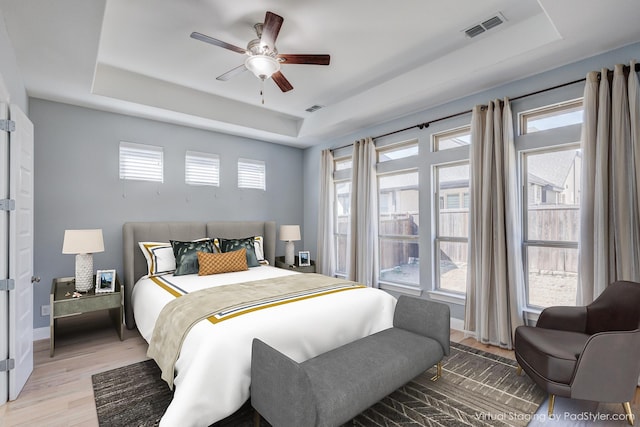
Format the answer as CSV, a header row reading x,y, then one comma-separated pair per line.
x,y
258,244
159,256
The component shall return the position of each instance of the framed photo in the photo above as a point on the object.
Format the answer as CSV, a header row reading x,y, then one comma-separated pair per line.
x,y
105,281
304,259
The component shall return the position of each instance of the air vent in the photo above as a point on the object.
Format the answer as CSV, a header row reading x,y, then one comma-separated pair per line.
x,y
485,25
313,108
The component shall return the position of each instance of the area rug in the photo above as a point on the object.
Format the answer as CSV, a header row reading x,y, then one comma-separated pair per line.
x,y
476,389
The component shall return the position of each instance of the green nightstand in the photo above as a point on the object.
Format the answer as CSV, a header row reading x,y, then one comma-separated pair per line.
x,y
64,305
305,269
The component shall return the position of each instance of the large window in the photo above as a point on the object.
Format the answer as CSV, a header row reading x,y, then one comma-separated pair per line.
x,y
399,220
452,226
550,174
552,195
341,212
398,213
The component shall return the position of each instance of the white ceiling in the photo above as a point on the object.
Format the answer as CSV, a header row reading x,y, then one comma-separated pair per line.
x,y
388,58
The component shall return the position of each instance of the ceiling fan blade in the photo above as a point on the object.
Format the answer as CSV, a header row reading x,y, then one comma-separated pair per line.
x,y
305,59
281,81
216,42
232,73
270,29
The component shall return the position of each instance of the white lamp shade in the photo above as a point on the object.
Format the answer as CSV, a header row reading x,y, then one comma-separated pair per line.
x,y
82,241
290,233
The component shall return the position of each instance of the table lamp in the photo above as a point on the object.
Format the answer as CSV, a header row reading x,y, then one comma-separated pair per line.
x,y
83,243
289,233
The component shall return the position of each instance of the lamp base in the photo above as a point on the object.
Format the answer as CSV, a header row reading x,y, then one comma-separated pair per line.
x,y
289,257
84,272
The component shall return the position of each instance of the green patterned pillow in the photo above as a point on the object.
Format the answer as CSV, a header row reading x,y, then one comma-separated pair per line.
x,y
229,245
186,254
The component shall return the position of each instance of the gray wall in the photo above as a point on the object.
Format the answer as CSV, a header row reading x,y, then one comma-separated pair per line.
x,y
77,184
545,80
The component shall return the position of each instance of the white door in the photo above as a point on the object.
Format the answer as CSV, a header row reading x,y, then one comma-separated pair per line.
x,y
4,248
21,250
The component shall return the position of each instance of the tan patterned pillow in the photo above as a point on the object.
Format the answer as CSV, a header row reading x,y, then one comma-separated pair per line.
x,y
222,263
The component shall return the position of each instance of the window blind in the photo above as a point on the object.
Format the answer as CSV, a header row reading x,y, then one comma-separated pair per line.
x,y
141,162
202,168
251,174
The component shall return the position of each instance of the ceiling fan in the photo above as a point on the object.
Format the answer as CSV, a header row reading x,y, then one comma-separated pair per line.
x,y
263,58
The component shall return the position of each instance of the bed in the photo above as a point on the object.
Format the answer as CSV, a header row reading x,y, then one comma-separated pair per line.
x,y
212,372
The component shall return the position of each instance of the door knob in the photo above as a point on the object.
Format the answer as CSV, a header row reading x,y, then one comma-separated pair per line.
x,y
35,279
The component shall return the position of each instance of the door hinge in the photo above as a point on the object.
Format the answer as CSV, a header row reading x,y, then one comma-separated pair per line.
x,y
7,365
7,205
7,284
7,125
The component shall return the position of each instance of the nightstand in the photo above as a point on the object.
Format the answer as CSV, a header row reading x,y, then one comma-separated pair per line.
x,y
305,269
64,305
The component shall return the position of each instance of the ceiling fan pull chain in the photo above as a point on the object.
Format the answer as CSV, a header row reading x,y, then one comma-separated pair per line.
x,y
262,90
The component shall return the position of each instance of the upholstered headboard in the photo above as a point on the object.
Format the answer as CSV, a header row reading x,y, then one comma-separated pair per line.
x,y
135,265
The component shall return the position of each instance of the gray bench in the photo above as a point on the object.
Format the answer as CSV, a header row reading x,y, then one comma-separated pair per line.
x,y
332,388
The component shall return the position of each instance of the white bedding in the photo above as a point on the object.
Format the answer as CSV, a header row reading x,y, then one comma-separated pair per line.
x,y
213,370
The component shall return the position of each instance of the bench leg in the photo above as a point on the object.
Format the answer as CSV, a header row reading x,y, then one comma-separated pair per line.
x,y
438,374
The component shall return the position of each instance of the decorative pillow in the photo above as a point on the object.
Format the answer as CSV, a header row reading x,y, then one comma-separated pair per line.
x,y
215,263
186,254
159,256
258,246
229,245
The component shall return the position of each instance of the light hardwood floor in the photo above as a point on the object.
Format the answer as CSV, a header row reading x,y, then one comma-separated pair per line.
x,y
59,392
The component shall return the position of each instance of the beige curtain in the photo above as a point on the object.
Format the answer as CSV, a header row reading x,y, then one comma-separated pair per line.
x,y
362,243
609,204
495,278
325,256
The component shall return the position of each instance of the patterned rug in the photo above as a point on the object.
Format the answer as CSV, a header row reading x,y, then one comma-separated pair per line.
x,y
476,389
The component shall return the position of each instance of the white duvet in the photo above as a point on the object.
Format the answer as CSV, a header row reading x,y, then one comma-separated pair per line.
x,y
213,370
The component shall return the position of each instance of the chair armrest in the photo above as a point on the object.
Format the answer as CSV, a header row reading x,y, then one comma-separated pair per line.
x,y
608,367
280,389
427,318
572,319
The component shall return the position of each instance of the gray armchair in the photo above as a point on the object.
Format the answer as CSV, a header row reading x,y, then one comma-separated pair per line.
x,y
590,353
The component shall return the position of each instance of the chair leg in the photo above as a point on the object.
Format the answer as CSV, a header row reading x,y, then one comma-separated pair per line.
x,y
256,418
627,410
519,370
552,401
438,374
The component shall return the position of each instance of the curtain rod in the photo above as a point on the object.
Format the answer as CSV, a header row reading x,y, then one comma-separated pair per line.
x,y
426,124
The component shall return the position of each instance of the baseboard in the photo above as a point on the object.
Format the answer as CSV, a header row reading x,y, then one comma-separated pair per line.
x,y
41,333
457,324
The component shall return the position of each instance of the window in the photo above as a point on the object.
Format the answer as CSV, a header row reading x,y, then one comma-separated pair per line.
x,y
551,169
551,225
453,138
342,210
551,117
202,169
452,226
141,162
252,174
399,151
399,221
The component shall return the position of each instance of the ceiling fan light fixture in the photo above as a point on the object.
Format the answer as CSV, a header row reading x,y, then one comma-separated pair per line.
x,y
262,66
